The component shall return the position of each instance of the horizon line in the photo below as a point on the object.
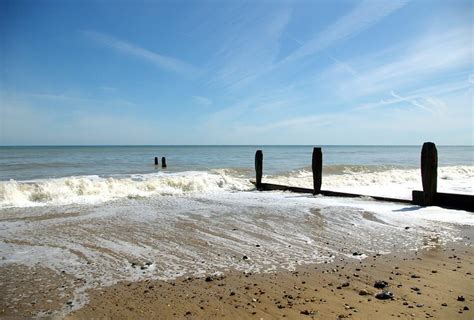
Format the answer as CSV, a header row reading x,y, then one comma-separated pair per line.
x,y
233,145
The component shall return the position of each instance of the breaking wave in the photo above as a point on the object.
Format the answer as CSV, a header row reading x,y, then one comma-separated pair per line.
x,y
369,180
95,189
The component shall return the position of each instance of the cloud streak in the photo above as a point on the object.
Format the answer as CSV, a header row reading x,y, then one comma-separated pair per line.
x,y
161,61
251,47
363,16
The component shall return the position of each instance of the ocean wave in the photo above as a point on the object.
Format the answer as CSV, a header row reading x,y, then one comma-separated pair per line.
x,y
95,189
367,180
374,180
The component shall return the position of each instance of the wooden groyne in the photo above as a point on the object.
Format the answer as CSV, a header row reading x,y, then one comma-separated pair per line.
x,y
429,175
163,162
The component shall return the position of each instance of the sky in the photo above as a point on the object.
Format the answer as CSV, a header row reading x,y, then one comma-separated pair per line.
x,y
236,72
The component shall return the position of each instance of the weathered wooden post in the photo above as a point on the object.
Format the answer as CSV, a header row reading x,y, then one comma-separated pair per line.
x,y
429,172
163,162
156,161
317,166
259,168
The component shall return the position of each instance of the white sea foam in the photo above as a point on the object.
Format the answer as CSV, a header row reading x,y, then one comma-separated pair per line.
x,y
94,189
391,182
200,225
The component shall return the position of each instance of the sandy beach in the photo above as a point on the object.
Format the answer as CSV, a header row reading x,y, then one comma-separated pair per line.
x,y
430,283
236,159
207,245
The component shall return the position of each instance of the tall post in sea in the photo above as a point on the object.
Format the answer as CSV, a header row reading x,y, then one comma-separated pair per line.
x,y
259,168
429,172
317,166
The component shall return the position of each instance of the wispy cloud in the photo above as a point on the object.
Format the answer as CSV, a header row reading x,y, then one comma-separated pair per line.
x,y
23,124
408,64
426,94
251,48
64,98
363,16
161,61
203,101
310,120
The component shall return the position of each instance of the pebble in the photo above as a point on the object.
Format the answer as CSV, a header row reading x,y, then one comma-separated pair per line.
x,y
363,292
384,295
380,284
307,312
461,298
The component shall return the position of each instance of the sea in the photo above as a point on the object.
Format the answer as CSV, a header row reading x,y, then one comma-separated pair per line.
x,y
46,176
105,214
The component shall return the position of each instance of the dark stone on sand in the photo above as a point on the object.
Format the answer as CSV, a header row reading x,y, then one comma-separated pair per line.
x,y
245,258
465,308
188,313
232,293
461,298
444,304
345,284
307,312
363,292
406,228
415,288
380,284
209,278
384,295
257,245
415,276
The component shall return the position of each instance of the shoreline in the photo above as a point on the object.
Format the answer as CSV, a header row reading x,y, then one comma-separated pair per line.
x,y
425,284
69,264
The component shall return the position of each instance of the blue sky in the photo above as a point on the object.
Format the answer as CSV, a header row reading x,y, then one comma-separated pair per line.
x,y
236,72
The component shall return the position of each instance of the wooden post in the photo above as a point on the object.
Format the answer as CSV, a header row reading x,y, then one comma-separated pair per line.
x,y
163,162
156,161
317,166
429,172
259,168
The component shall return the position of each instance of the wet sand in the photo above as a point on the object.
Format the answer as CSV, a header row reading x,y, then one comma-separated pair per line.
x,y
77,267
436,283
